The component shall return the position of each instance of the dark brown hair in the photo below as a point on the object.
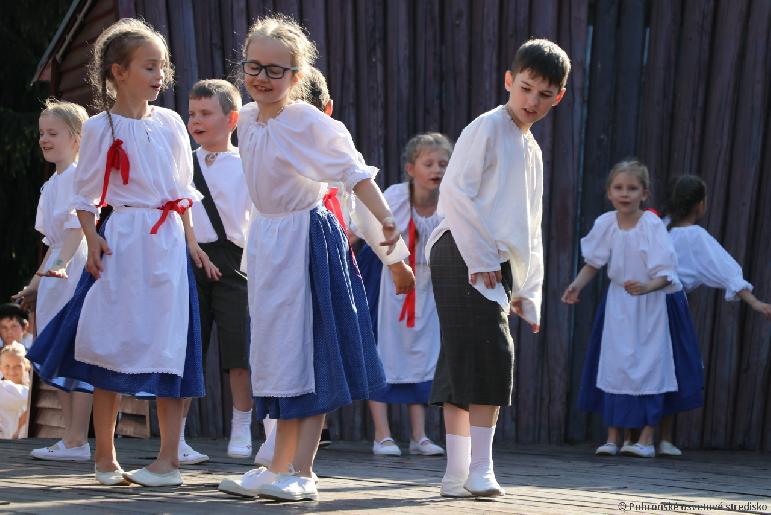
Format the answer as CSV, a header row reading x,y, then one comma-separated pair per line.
x,y
685,192
545,59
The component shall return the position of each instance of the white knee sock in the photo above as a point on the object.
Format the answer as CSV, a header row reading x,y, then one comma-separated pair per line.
x,y
182,430
458,457
242,423
482,449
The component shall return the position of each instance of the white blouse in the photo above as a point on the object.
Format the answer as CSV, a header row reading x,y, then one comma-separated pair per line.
x,y
636,351
225,179
702,260
157,142
491,200
409,354
55,217
287,162
141,300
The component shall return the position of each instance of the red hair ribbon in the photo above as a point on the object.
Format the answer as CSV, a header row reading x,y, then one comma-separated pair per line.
x,y
332,204
171,205
116,159
408,308
654,211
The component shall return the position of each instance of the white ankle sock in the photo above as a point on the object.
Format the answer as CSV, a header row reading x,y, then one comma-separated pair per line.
x,y
482,449
267,449
458,457
182,430
242,423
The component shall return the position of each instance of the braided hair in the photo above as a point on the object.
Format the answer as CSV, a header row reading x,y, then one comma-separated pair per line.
x,y
115,45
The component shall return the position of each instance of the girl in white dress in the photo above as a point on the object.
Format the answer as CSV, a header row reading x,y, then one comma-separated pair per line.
x,y
312,348
408,326
132,325
55,281
701,260
636,367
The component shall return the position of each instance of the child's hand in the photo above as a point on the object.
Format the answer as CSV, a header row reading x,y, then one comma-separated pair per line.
x,y
391,235
58,270
96,247
27,297
490,279
571,295
763,308
516,307
404,279
201,260
636,287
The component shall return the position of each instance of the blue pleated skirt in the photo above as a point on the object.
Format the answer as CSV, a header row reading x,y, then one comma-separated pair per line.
x,y
53,354
636,411
346,365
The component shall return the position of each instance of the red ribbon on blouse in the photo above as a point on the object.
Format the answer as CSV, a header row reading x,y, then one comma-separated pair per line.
x,y
171,205
408,308
116,159
332,204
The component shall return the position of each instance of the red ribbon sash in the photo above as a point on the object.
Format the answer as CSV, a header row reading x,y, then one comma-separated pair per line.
x,y
171,205
116,159
408,308
332,204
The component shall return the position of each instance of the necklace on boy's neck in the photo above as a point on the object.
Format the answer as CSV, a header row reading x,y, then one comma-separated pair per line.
x,y
210,157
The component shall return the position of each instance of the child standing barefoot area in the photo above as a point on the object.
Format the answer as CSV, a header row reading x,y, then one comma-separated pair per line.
x,y
631,332
113,333
312,349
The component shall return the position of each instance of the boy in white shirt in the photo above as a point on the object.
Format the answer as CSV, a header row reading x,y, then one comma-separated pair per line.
x,y
486,260
14,326
221,222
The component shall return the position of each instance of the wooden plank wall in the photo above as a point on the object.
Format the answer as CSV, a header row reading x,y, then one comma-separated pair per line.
x,y
683,84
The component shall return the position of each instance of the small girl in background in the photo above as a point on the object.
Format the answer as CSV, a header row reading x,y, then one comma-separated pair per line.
x,y
700,261
312,348
55,281
407,326
14,391
132,326
631,334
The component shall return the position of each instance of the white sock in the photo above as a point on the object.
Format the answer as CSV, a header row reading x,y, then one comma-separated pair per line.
x,y
482,449
458,457
182,430
267,449
241,423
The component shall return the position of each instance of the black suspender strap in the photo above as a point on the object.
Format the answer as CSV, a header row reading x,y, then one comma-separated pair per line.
x,y
208,201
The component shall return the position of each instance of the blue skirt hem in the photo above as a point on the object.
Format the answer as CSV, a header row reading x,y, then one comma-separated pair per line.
x,y
635,411
345,361
53,355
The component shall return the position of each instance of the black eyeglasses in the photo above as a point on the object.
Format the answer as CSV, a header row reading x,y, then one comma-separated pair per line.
x,y
273,71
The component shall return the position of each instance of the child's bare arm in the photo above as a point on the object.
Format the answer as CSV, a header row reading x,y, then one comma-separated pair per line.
x,y
638,288
371,196
27,296
199,257
96,244
573,291
58,269
756,304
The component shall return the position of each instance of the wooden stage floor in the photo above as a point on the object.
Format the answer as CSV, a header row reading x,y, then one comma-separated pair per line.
x,y
538,479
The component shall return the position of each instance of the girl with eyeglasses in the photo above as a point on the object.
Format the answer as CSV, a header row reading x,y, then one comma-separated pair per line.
x,y
312,348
